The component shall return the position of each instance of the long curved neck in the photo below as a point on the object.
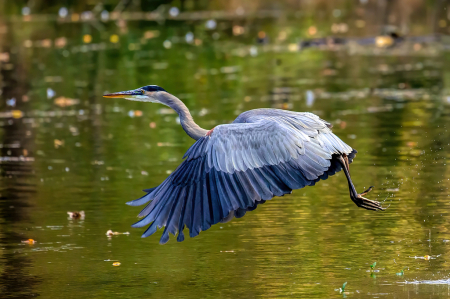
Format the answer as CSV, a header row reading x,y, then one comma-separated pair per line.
x,y
187,122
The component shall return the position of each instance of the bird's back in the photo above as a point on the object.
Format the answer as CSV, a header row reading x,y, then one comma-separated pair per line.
x,y
261,113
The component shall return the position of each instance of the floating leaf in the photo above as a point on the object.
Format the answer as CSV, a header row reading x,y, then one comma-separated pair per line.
x,y
76,215
29,241
17,114
64,102
115,264
58,143
87,38
114,38
110,233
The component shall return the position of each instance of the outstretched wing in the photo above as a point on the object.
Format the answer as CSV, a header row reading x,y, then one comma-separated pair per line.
x,y
236,167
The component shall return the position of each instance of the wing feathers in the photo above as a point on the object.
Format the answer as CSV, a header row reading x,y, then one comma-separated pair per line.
x,y
197,212
239,166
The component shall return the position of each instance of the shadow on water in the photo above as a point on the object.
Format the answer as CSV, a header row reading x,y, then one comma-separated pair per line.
x,y
64,148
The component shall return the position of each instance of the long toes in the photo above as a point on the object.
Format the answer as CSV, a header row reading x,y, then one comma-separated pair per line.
x,y
367,191
371,204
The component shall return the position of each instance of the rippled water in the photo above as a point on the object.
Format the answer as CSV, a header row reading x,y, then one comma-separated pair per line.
x,y
65,148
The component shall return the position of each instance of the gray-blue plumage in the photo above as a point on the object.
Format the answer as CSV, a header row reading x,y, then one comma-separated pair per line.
x,y
262,154
233,168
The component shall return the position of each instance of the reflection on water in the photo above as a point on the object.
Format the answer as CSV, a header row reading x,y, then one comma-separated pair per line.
x,y
66,149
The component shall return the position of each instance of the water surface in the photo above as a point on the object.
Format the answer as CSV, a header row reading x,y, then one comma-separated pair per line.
x,y
65,148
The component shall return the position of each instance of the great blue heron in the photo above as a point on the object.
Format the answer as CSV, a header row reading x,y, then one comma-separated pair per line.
x,y
232,168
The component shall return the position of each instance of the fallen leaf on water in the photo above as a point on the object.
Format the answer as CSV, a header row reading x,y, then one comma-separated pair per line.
x,y
165,144
114,38
58,143
293,47
76,215
64,102
384,41
17,114
151,34
238,30
29,241
87,38
115,264
111,233
426,257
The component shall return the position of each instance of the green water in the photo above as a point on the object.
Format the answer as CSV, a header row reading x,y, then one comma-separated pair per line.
x,y
85,152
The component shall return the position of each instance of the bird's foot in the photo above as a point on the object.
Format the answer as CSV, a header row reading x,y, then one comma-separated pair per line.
x,y
366,203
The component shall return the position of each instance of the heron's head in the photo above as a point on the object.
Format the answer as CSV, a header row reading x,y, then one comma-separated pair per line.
x,y
149,93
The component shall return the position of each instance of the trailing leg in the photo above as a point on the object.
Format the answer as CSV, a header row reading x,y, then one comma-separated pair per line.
x,y
358,198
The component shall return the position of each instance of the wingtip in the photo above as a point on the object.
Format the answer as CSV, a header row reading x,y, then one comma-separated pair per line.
x,y
180,237
164,238
141,223
149,190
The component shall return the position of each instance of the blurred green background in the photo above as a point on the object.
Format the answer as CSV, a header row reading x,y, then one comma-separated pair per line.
x,y
378,70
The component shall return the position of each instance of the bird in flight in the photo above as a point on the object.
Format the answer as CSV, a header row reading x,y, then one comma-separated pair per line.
x,y
233,168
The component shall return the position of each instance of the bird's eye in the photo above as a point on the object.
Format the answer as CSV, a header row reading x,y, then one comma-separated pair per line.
x,y
143,91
